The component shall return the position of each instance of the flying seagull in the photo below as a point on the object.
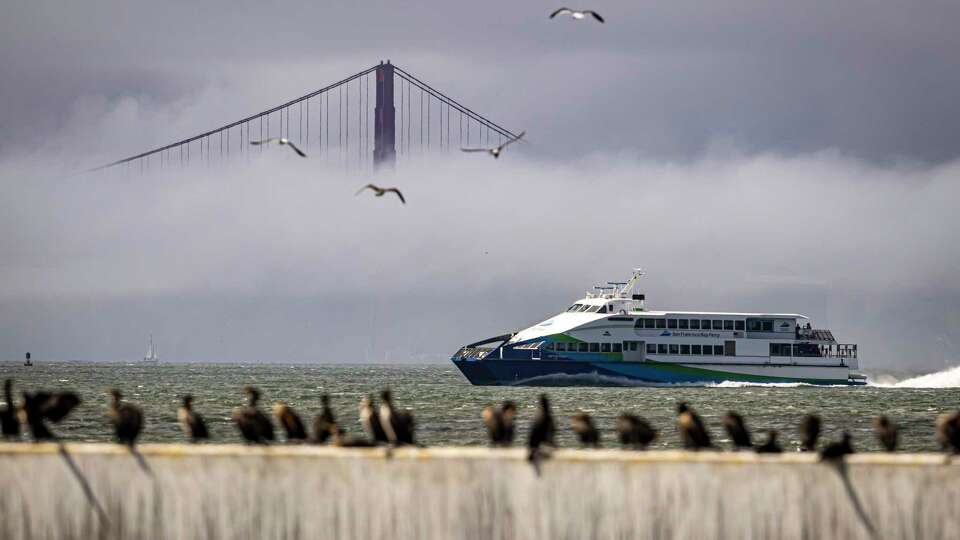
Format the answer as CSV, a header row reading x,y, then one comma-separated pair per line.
x,y
281,141
495,152
380,191
577,14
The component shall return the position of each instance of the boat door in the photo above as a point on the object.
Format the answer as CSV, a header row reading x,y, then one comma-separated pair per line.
x,y
535,353
634,351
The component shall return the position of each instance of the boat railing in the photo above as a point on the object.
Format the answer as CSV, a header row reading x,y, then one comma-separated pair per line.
x,y
840,350
473,352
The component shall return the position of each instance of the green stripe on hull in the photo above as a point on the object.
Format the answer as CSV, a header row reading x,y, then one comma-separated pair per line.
x,y
736,377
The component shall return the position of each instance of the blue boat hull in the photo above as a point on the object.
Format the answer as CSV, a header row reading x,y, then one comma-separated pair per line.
x,y
496,372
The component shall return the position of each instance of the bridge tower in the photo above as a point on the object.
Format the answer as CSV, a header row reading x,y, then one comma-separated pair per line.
x,y
384,133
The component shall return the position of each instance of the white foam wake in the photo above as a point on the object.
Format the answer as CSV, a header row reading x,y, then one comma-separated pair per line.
x,y
948,378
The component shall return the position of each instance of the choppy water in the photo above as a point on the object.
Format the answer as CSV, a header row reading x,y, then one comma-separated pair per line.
x,y
447,407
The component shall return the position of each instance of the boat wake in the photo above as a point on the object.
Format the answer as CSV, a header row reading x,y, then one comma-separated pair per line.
x,y
948,378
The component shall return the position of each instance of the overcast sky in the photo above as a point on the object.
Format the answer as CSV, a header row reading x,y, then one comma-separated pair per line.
x,y
763,157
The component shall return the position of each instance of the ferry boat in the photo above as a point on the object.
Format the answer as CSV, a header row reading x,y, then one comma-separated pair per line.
x,y
609,338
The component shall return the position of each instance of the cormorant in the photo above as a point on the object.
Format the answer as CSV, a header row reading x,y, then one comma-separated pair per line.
x,y
370,420
9,425
809,433
770,446
542,431
325,423
586,432
191,422
948,431
692,431
737,429
500,423
254,426
127,419
398,425
887,432
289,421
836,450
635,431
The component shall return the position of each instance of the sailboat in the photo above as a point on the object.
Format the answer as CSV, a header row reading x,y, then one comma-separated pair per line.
x,y
153,356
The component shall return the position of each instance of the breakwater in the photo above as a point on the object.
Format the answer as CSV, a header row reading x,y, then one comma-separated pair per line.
x,y
280,492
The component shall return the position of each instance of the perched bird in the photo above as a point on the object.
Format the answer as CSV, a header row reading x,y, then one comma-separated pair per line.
x,y
497,150
499,423
58,405
948,431
282,142
737,430
254,426
577,14
692,431
635,432
809,433
9,425
542,431
836,450
325,423
30,413
289,421
191,422
127,419
370,420
770,446
379,191
887,432
586,432
398,425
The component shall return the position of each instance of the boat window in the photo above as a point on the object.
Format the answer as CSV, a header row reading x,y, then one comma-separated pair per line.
x,y
684,324
779,349
684,349
549,346
718,325
593,309
695,349
738,325
718,350
708,350
573,307
674,349
760,325
661,323
560,346
618,347
604,347
603,309
661,348
649,323
594,347
705,324
728,325
671,323
651,348
694,324
581,347
584,308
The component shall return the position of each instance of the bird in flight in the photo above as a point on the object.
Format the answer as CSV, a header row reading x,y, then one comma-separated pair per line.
x,y
380,191
281,141
495,152
577,14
